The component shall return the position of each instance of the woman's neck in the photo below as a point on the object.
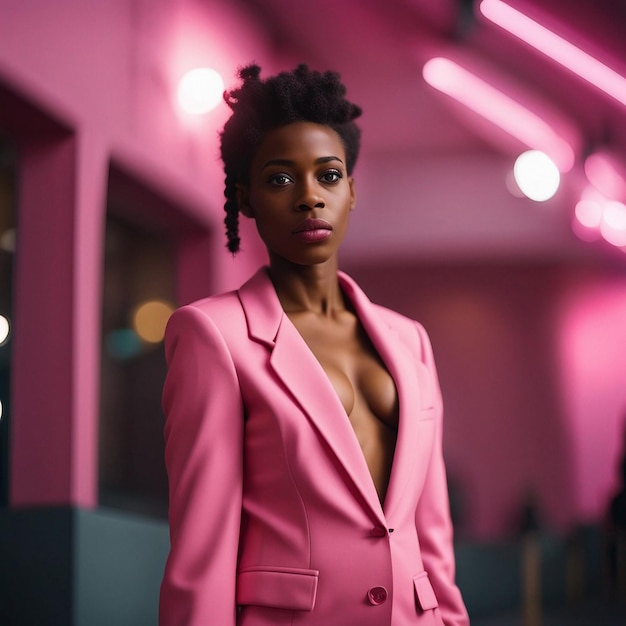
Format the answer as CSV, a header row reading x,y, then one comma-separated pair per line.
x,y
313,288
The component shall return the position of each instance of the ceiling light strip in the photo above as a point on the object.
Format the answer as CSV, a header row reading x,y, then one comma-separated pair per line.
x,y
498,108
556,47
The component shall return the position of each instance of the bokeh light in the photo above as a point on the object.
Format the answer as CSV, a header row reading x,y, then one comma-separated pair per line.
x,y
587,219
603,172
7,240
150,318
5,329
123,344
613,226
537,175
597,216
589,213
200,90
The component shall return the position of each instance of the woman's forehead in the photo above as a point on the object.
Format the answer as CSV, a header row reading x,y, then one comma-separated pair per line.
x,y
300,138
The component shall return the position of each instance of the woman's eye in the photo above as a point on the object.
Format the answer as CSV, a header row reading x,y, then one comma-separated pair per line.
x,y
331,176
280,180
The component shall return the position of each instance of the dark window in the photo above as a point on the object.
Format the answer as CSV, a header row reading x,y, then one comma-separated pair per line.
x,y
138,293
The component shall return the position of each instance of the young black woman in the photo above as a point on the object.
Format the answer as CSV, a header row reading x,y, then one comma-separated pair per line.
x,y
304,423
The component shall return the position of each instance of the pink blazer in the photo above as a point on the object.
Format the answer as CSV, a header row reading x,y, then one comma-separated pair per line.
x,y
274,518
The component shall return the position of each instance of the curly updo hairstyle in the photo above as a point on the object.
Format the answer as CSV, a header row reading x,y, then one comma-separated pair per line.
x,y
302,95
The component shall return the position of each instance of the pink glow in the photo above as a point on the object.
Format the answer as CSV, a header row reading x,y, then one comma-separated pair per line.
x,y
558,49
596,215
613,226
584,233
602,172
589,213
200,90
592,336
498,108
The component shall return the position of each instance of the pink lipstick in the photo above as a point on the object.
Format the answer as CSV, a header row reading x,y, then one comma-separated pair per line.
x,y
312,230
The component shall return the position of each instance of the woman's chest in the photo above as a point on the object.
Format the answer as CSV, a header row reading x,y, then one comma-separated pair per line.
x,y
352,367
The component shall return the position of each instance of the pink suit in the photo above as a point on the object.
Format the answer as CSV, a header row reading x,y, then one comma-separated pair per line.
x,y
274,518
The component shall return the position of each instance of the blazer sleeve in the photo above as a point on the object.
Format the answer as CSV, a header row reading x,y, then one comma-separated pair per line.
x,y
432,519
203,455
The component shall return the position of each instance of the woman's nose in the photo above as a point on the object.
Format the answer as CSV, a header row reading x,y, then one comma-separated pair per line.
x,y
309,197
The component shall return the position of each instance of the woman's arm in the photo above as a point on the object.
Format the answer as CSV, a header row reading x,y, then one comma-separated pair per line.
x,y
203,456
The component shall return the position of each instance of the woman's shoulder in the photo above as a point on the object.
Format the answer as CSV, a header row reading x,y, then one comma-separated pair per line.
x,y
220,310
214,304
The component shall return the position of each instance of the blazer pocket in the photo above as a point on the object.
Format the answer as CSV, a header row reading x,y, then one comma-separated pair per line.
x,y
278,587
426,598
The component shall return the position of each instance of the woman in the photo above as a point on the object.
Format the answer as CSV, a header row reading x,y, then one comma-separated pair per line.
x,y
303,433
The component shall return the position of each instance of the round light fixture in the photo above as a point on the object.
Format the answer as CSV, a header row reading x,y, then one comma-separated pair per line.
x,y
536,175
200,90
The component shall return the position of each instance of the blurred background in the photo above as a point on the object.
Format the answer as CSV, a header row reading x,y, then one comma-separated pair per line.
x,y
491,207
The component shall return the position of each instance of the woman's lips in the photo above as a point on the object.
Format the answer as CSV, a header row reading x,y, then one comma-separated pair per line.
x,y
312,230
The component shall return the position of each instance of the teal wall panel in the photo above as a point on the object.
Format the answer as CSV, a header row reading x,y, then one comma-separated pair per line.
x,y
119,560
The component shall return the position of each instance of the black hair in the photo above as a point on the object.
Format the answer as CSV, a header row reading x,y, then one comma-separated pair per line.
x,y
301,95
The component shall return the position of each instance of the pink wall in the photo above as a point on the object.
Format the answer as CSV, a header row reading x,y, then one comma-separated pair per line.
x,y
108,71
591,344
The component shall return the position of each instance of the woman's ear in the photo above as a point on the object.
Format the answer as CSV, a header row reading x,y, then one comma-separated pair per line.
x,y
243,199
352,193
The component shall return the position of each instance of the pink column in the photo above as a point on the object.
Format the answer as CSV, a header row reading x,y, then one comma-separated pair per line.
x,y
41,423
57,331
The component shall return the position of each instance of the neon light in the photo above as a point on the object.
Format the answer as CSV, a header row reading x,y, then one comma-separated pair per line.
x,y
558,49
498,108
602,172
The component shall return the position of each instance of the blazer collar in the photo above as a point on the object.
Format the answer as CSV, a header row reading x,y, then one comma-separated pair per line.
x,y
299,370
261,307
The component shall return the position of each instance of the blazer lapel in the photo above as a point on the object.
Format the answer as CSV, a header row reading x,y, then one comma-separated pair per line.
x,y
401,364
305,378
301,373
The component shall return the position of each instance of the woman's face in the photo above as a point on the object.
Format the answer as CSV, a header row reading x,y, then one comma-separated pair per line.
x,y
299,194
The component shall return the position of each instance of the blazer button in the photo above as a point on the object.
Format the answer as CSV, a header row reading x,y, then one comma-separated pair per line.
x,y
378,531
377,595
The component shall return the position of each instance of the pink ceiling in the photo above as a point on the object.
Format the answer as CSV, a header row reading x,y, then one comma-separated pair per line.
x,y
379,47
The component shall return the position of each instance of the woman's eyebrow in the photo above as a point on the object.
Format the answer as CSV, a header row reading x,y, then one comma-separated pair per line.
x,y
289,162
327,159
